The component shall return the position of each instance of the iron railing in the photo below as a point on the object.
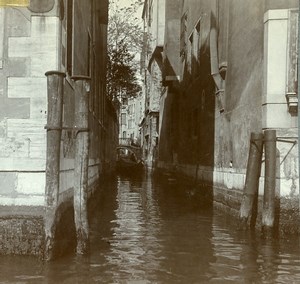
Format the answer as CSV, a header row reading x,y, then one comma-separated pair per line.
x,y
125,141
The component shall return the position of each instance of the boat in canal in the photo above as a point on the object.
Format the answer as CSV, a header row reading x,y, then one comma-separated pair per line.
x,y
129,159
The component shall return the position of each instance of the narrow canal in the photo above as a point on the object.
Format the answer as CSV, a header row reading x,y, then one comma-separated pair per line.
x,y
148,231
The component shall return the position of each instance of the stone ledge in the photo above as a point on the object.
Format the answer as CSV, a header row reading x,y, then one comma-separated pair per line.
x,y
14,211
276,14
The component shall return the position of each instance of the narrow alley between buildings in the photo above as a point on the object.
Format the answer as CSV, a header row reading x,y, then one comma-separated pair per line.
x,y
149,141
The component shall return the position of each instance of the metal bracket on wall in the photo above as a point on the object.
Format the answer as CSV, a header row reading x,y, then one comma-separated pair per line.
x,y
75,129
287,141
294,142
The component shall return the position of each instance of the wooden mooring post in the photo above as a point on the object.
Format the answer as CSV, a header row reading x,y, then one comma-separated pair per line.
x,y
81,162
54,127
250,194
268,214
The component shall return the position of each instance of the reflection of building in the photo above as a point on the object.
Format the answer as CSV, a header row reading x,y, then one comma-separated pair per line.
x,y
70,37
228,69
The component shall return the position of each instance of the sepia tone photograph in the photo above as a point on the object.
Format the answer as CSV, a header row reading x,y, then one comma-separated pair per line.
x,y
149,141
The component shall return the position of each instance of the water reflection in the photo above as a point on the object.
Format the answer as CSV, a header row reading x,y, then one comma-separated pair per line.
x,y
134,246
185,235
145,230
246,257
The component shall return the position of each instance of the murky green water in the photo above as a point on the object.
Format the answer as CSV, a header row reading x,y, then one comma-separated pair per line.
x,y
145,231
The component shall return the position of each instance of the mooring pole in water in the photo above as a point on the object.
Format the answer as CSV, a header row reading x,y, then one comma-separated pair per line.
x,y
54,126
252,177
268,214
81,162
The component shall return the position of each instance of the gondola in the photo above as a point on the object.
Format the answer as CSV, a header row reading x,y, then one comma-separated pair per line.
x,y
129,159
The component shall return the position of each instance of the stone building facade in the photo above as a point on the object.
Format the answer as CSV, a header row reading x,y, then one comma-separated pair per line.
x,y
229,69
131,114
154,28
68,36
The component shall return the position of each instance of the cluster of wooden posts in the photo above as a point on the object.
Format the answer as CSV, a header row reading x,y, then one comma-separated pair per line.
x,y
55,83
248,211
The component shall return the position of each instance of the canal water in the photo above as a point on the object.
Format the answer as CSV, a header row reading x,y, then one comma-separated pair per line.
x,y
145,230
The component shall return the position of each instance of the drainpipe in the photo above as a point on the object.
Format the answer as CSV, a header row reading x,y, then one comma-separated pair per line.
x,y
252,180
54,127
214,61
268,214
81,162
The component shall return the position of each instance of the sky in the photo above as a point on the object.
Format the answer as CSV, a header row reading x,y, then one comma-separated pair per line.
x,y
126,3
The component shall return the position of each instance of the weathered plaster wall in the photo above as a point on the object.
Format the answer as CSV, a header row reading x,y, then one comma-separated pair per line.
x,y
243,87
157,23
196,102
171,49
256,83
212,144
166,127
171,77
82,29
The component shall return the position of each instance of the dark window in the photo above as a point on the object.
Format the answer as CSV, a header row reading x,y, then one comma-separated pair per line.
x,y
123,119
130,123
124,101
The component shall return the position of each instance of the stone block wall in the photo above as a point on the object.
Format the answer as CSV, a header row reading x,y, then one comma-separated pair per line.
x,y
28,50
31,43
